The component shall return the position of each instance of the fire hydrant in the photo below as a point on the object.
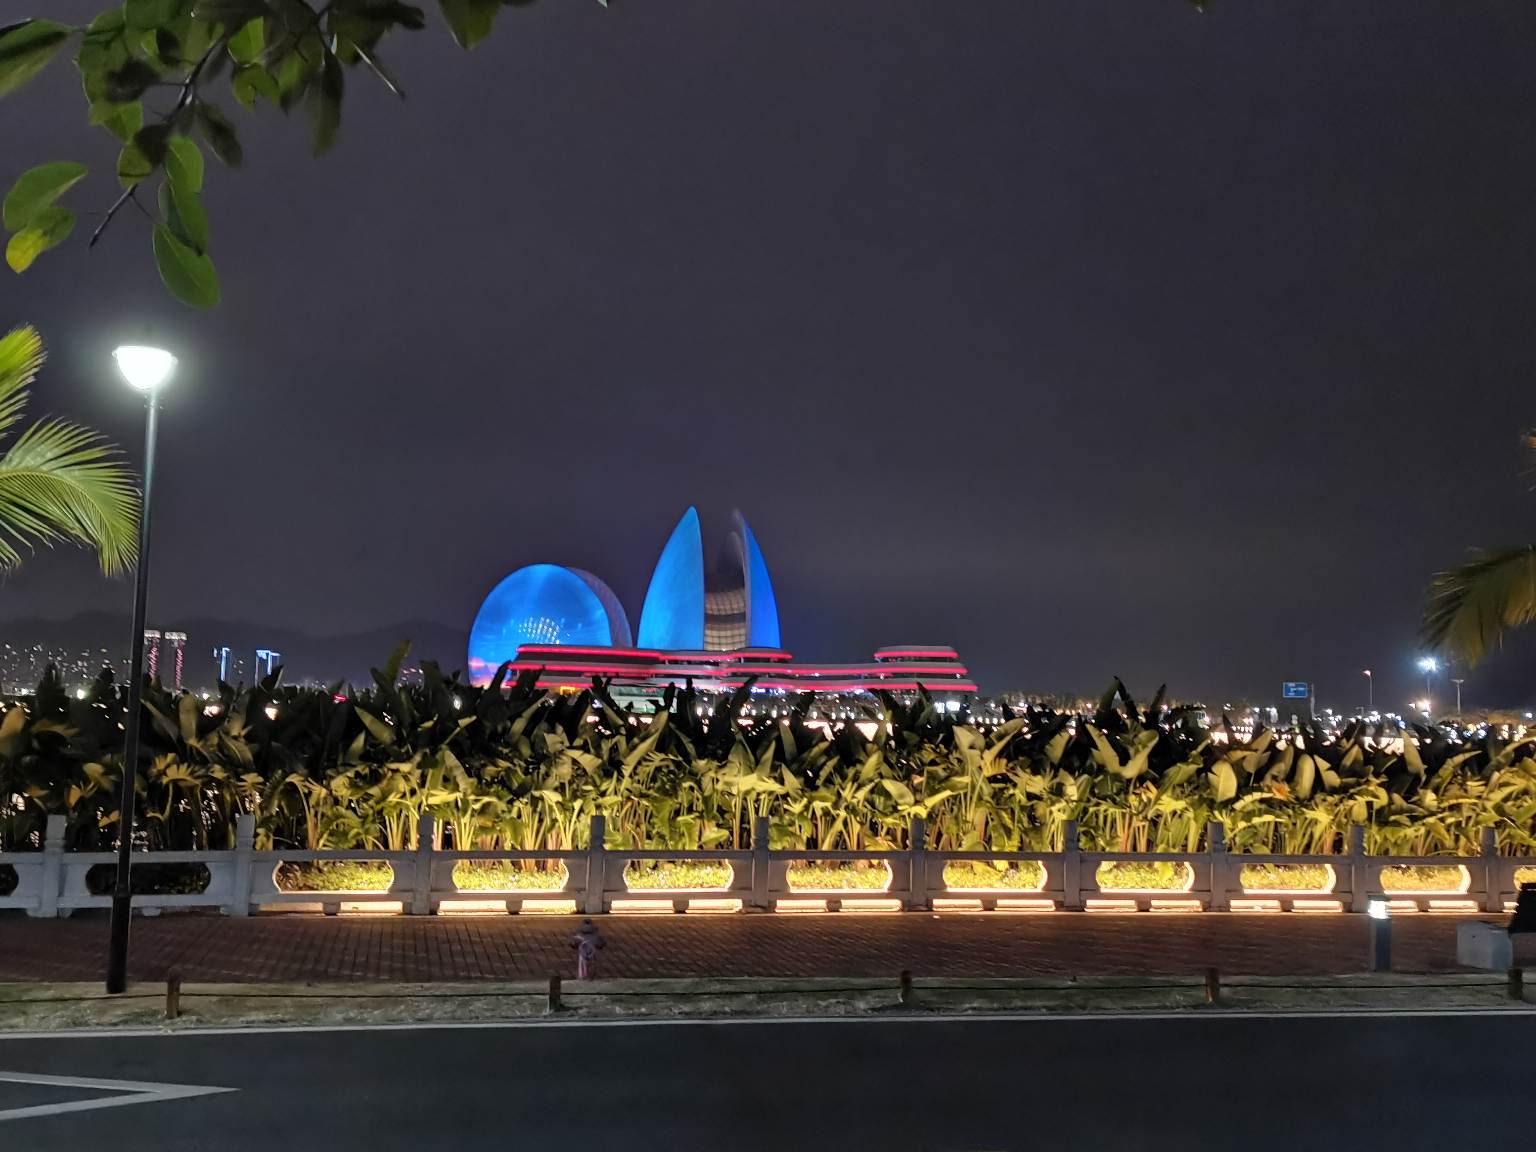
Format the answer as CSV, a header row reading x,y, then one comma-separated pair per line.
x,y
586,942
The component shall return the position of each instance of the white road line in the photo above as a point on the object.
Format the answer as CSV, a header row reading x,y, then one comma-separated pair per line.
x,y
1193,1014
130,1092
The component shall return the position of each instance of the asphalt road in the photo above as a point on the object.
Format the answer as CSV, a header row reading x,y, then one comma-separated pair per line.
x,y
1149,1084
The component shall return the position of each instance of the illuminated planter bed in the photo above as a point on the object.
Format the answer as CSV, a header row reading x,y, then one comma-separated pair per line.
x,y
1425,878
1311,878
838,876
1145,876
334,876
506,876
994,876
674,875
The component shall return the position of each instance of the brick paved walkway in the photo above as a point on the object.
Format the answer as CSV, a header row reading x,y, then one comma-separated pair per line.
x,y
397,948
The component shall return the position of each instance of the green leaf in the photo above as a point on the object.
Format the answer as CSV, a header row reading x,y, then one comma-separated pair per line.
x,y
251,81
184,215
132,165
25,50
49,229
220,135
37,189
325,104
187,273
130,81
143,154
122,120
184,163
103,47
1223,781
230,13
248,43
141,15
167,47
469,20
380,731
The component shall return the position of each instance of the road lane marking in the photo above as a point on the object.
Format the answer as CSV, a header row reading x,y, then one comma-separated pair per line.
x,y
129,1092
1193,1014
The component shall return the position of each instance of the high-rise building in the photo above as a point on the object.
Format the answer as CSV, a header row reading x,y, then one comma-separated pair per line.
x,y
152,652
178,643
221,658
266,661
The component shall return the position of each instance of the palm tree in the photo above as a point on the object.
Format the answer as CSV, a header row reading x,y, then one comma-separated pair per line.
x,y
59,481
1471,606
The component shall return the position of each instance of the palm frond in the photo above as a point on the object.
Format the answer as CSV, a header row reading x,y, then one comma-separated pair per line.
x,y
61,482
21,355
1470,607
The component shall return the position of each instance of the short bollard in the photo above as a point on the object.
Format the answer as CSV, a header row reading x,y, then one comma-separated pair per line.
x,y
586,942
1517,983
172,995
904,989
1381,935
1212,986
552,1005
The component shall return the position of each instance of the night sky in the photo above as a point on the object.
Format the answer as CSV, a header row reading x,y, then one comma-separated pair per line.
x,y
1092,338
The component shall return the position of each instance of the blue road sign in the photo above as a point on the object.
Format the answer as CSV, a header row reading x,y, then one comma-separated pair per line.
x,y
1295,690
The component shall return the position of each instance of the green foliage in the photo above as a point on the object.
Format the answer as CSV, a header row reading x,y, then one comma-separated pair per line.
x,y
1471,606
513,767
58,481
37,190
285,53
25,50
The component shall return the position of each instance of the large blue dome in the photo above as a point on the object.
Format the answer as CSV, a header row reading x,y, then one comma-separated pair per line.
x,y
544,604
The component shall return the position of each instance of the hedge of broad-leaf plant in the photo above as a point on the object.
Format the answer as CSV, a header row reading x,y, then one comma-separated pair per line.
x,y
514,766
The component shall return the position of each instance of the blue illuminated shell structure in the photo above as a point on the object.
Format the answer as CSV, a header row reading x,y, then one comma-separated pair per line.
x,y
730,606
544,604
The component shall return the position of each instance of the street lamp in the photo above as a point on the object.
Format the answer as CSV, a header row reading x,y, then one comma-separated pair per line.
x,y
146,370
1428,666
1458,682
1370,691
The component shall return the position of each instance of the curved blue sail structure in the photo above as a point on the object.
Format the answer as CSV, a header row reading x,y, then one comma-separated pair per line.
x,y
672,617
762,606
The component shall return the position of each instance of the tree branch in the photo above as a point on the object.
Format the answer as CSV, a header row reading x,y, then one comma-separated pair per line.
x,y
128,194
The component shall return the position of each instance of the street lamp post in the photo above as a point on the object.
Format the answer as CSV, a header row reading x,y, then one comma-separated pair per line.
x,y
1427,666
1458,682
145,369
1370,691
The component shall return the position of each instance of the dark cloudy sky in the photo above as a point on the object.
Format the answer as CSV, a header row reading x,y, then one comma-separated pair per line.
x,y
1091,337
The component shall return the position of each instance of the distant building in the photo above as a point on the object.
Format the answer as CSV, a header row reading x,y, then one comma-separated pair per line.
x,y
152,653
648,672
728,607
267,660
716,627
178,643
544,604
